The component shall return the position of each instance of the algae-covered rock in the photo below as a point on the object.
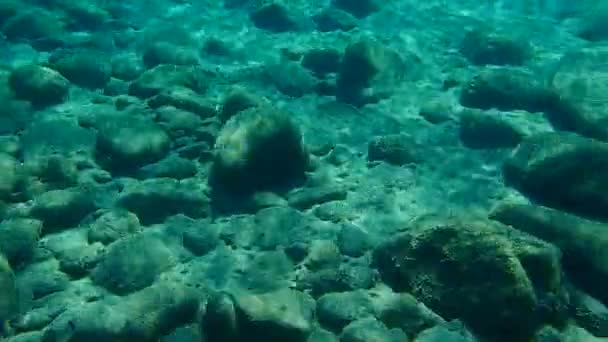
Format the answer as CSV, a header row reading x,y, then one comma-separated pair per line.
x,y
562,170
258,149
493,277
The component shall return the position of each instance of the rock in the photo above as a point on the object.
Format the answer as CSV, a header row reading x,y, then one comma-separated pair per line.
x,y
18,239
454,331
167,53
482,48
403,311
306,198
344,277
142,316
266,271
368,72
125,143
591,26
79,261
83,68
8,292
353,241
41,280
396,149
589,313
126,67
336,310
153,81
132,264
284,315
332,19
112,225
582,241
561,170
237,100
170,167
32,25
445,264
198,237
184,99
41,86
290,78
370,329
10,175
578,77
155,199
320,335
506,89
84,16
60,209
220,322
509,89
486,131
8,9
275,18
160,308
322,61
358,8
248,148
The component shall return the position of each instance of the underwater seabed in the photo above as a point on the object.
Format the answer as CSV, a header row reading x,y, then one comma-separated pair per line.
x,y
327,170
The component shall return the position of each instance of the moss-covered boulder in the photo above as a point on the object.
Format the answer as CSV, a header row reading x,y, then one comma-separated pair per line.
x,y
42,86
258,149
562,170
494,278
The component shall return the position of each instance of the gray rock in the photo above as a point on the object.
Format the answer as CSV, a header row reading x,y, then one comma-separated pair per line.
x,y
480,130
10,175
562,170
370,329
153,81
582,242
403,311
60,209
112,225
337,310
125,143
82,68
132,264
282,315
8,292
153,200
42,279
142,316
18,239
353,241
445,264
248,148
396,149
171,167
453,331
41,86
308,197
185,99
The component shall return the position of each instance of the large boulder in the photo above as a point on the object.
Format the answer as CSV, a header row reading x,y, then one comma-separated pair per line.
x,y
260,148
494,278
562,170
584,243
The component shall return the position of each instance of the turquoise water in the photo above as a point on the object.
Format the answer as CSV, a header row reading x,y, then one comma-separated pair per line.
x,y
292,170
